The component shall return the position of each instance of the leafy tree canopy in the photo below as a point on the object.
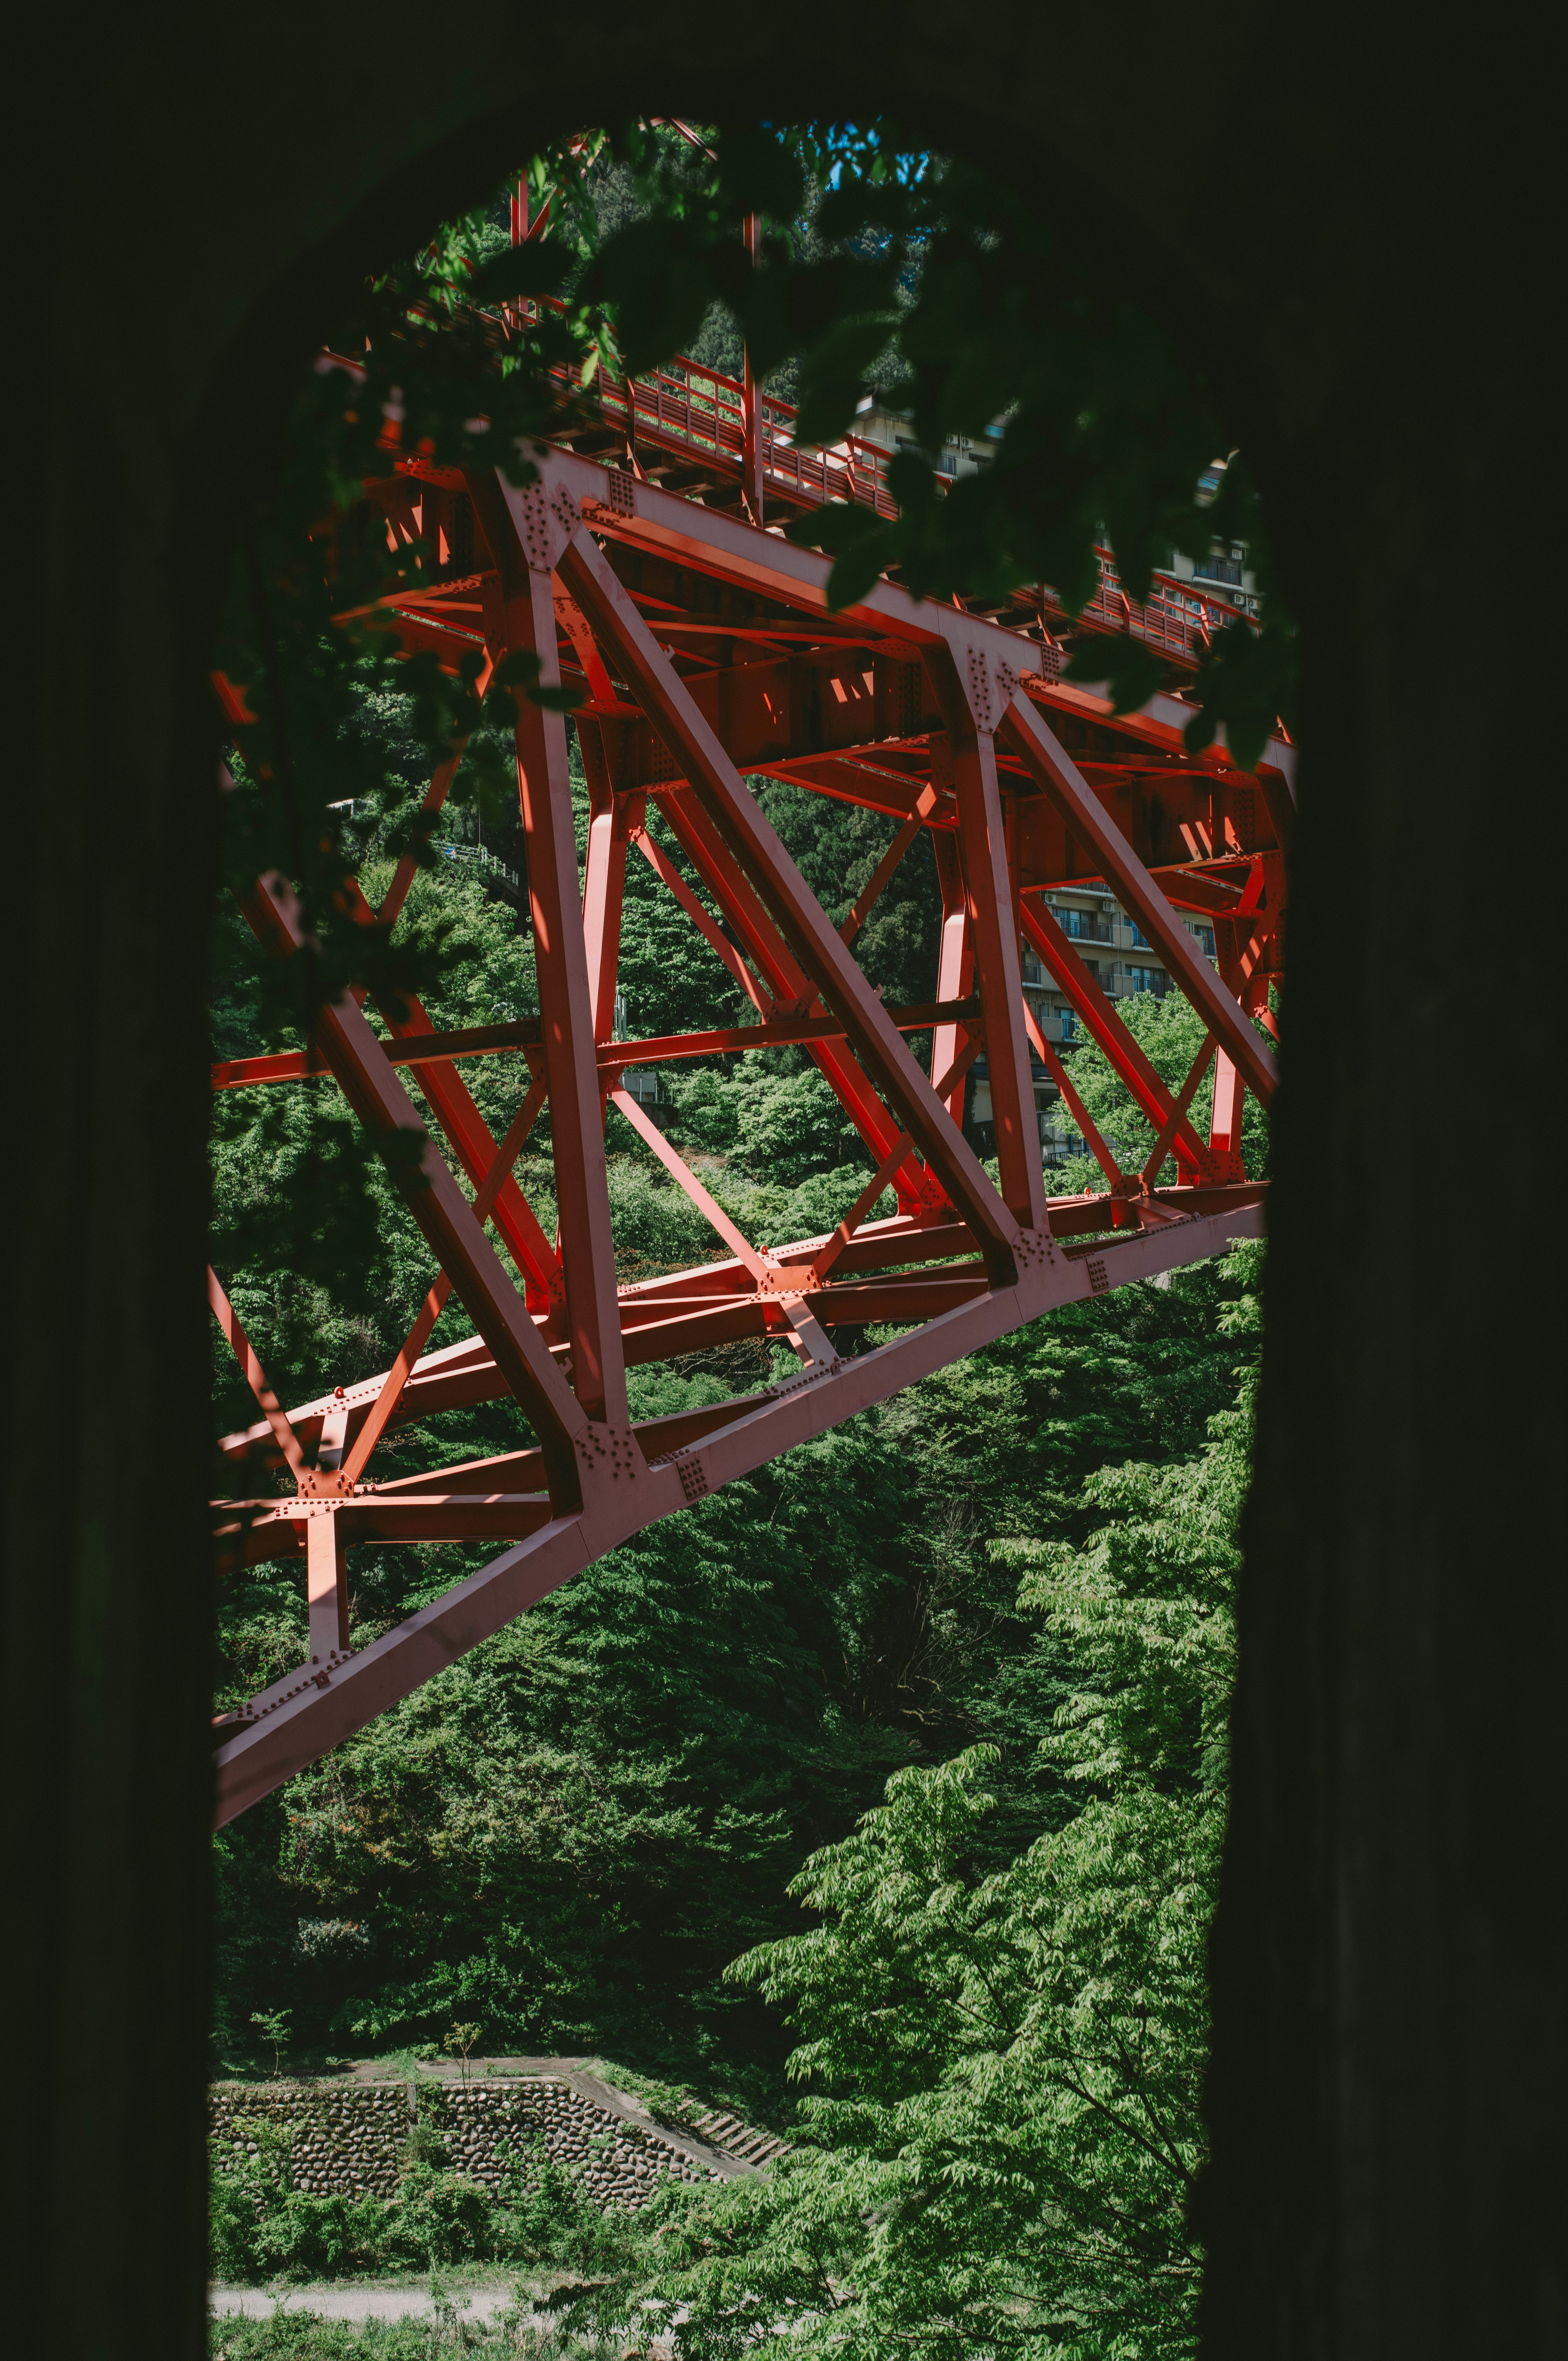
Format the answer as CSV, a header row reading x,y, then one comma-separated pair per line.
x,y
884,270
566,1839
1003,2062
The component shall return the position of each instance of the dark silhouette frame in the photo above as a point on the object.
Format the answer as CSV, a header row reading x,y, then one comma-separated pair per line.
x,y
1388,2077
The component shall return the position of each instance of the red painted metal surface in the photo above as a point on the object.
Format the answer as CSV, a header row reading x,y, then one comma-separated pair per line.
x,y
703,648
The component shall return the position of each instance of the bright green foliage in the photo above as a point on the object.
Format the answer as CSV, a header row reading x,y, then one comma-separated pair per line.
x,y
787,1124
1001,2143
567,1836
1171,1034
836,847
673,979
300,2335
272,2023
309,1234
263,2227
1018,2056
565,1839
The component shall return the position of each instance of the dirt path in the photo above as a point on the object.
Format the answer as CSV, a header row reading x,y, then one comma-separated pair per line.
x,y
399,2300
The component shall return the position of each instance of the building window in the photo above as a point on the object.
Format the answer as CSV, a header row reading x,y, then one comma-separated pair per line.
x,y
1140,941
1148,979
1083,925
1226,570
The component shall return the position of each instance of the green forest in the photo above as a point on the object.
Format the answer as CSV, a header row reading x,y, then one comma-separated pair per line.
x,y
877,1797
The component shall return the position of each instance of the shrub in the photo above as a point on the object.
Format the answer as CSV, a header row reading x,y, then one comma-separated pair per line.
x,y
438,2217
321,2238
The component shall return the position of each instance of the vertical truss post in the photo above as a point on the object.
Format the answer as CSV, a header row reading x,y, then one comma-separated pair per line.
x,y
565,1002
1237,969
610,819
326,1584
1225,1118
969,702
794,909
955,957
753,460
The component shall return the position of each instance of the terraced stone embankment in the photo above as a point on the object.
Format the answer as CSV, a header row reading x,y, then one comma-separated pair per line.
x,y
349,2135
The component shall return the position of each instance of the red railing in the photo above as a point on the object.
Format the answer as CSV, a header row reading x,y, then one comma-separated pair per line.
x,y
1177,619
685,407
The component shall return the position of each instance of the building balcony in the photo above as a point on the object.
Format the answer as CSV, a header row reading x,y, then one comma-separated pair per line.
x,y
1082,926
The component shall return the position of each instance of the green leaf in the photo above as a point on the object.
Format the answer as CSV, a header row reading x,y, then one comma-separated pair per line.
x,y
758,174
658,279
538,268
1248,683
1129,669
855,570
518,672
838,526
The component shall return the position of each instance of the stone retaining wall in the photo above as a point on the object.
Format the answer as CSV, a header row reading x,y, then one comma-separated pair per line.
x,y
346,2140
349,2139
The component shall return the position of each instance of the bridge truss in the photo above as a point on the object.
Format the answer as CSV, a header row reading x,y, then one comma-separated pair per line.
x,y
639,570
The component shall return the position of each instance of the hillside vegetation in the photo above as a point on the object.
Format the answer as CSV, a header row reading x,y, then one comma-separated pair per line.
x,y
877,1797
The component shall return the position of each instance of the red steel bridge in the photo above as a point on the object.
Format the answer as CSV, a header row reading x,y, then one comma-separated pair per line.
x,y
647,570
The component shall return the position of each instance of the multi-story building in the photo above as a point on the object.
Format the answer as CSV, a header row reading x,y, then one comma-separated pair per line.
x,y
1115,949
1225,569
960,455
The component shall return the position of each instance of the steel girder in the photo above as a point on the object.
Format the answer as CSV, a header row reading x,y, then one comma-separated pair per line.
x,y
705,652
